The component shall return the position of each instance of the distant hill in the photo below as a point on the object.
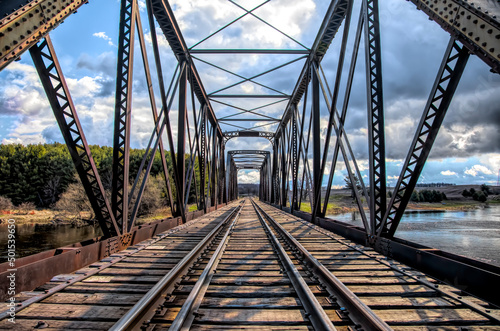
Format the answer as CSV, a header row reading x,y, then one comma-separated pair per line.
x,y
248,189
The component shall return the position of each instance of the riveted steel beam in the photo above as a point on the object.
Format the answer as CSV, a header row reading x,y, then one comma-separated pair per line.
x,y
57,91
446,82
123,112
23,28
331,23
476,24
168,24
376,129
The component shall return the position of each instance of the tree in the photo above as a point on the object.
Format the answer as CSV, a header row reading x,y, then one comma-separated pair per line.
x,y
485,189
479,196
465,193
349,185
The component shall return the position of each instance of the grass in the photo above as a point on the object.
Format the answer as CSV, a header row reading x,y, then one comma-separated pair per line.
x,y
40,216
331,209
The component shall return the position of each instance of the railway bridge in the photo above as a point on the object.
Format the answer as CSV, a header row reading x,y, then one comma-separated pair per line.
x,y
275,261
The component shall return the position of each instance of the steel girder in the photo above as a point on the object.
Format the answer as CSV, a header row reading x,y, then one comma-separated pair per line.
x,y
203,158
329,27
248,134
181,141
123,113
55,87
232,179
317,176
376,129
447,80
22,27
294,162
470,25
475,24
151,93
165,18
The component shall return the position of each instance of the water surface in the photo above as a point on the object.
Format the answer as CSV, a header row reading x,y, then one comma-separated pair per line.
x,y
36,238
474,233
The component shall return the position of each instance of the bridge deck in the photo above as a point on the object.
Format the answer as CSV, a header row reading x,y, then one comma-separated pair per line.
x,y
240,277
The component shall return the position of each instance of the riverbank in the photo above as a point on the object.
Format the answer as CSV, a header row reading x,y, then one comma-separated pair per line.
x,y
340,202
49,216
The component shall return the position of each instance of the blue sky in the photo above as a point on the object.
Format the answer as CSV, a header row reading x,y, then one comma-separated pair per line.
x,y
466,151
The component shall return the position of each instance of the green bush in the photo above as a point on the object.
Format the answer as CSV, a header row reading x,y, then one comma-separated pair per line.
x,y
479,196
428,196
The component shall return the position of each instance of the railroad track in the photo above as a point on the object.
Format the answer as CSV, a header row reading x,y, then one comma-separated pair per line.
x,y
404,298
95,297
251,266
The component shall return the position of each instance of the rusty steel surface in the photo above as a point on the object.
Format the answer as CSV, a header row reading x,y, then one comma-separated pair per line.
x,y
24,27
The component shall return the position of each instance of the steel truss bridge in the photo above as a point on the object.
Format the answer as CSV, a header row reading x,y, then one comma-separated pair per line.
x,y
292,171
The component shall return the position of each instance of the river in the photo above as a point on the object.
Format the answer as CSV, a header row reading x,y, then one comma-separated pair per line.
x,y
36,238
474,233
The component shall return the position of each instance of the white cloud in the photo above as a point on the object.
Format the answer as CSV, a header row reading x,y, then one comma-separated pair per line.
x,y
251,177
448,173
198,18
104,36
476,169
142,5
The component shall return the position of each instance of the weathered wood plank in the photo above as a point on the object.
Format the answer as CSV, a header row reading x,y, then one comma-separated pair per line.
x,y
393,301
429,316
73,312
109,287
123,279
391,290
252,316
93,298
50,325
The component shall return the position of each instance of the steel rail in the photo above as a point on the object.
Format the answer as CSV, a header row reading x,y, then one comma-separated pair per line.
x,y
125,254
359,312
317,314
143,308
186,315
486,312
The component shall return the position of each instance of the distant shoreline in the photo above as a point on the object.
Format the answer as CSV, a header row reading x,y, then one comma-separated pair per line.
x,y
340,203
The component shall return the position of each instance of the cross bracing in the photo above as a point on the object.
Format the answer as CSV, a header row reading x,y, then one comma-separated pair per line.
x,y
222,93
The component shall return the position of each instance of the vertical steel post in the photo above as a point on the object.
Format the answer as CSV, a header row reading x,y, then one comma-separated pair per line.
x,y
284,192
316,129
181,140
295,161
274,171
203,159
213,167
376,130
222,172
123,110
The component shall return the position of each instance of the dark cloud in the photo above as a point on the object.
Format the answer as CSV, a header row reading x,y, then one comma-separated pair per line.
x,y
52,134
104,64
